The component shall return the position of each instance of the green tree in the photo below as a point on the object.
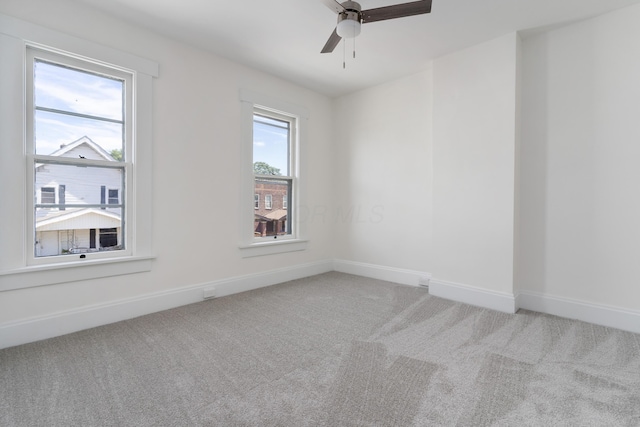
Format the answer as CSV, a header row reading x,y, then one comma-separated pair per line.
x,y
116,153
262,168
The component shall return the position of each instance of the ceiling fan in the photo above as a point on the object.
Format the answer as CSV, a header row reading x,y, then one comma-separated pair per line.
x,y
351,15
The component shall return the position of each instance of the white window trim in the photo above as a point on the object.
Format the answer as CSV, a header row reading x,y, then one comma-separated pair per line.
x,y
15,36
38,53
250,246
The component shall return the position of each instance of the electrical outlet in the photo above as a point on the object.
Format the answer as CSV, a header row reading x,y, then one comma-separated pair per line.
x,y
208,293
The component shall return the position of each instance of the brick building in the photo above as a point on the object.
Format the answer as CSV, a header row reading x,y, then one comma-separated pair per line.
x,y
271,200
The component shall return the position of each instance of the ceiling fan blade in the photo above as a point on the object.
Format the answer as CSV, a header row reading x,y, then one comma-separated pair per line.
x,y
396,11
331,44
333,5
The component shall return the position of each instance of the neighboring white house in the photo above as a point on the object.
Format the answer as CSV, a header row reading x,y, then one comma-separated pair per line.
x,y
66,226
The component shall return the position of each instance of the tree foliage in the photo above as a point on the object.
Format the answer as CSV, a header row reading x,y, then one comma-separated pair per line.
x,y
116,153
262,168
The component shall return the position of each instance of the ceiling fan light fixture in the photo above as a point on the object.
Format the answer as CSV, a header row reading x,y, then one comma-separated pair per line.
x,y
348,25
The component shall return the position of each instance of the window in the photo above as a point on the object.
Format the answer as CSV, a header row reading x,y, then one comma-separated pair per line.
x,y
79,133
109,238
113,196
272,152
47,195
273,170
68,111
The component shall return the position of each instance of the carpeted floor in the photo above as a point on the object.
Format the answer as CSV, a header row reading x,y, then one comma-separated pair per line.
x,y
330,350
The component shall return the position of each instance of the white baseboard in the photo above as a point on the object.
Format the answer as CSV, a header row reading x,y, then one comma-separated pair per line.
x,y
389,274
499,301
603,315
56,324
65,322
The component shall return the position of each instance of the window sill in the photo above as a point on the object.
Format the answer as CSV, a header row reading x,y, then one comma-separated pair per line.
x,y
42,275
270,248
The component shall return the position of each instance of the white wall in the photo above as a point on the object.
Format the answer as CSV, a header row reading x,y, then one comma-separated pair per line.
x,y
383,174
419,173
474,141
196,158
579,166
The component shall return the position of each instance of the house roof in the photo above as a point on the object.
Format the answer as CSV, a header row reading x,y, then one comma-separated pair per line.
x,y
277,215
78,218
85,140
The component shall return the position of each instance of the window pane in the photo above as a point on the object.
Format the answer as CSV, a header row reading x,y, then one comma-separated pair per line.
x,y
85,104
270,146
273,218
54,131
90,203
82,185
73,231
77,91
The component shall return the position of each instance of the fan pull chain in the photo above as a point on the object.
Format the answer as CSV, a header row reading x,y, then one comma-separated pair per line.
x,y
354,48
344,50
344,54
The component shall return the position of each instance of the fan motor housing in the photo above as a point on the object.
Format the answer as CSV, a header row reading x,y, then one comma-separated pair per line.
x,y
350,16
352,6
351,12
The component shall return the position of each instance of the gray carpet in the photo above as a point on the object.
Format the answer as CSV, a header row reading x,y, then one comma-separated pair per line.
x,y
330,350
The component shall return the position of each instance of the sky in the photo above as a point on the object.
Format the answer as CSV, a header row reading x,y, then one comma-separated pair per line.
x,y
78,92
271,143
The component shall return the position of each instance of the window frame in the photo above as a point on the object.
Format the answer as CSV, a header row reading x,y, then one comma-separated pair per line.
x,y
15,270
251,245
38,54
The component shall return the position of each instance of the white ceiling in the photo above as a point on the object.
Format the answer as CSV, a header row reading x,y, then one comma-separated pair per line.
x,y
284,37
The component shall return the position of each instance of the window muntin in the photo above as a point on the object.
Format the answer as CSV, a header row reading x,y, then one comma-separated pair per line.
x,y
273,173
79,133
